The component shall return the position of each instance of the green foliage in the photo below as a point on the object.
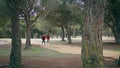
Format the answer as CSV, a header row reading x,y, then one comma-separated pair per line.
x,y
112,17
4,15
61,13
5,32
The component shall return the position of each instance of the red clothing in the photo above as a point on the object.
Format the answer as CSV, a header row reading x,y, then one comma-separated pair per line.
x,y
48,37
43,37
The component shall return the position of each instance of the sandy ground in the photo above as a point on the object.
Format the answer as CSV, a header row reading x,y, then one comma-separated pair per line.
x,y
67,48
66,62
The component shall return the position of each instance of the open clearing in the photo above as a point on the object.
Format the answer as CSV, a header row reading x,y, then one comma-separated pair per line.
x,y
57,54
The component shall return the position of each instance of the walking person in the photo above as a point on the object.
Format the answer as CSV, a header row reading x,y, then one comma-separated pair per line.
x,y
43,39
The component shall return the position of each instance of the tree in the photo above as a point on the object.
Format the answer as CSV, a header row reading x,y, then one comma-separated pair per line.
x,y
112,18
119,61
92,52
30,12
15,56
4,20
4,16
64,17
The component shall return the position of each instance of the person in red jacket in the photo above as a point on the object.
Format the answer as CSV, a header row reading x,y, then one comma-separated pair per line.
x,y
43,39
48,38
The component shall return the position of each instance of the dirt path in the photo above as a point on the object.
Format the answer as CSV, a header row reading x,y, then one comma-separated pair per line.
x,y
77,50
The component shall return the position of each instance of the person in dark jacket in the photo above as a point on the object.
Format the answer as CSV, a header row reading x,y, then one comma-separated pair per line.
x,y
43,39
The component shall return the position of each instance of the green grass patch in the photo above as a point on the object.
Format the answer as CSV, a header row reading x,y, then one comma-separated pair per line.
x,y
35,52
41,52
5,51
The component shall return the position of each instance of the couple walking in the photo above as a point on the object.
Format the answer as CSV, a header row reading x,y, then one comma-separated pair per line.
x,y
44,37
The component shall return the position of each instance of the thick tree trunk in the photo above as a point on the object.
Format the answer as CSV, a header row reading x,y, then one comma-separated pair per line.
x,y
15,56
63,33
92,52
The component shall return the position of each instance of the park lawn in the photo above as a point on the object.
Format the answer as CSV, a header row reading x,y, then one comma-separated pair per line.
x,y
37,51
38,57
34,51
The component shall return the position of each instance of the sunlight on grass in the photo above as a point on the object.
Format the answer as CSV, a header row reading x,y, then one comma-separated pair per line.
x,y
5,52
41,52
34,52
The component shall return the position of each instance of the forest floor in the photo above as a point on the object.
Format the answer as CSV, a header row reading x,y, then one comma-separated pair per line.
x,y
72,52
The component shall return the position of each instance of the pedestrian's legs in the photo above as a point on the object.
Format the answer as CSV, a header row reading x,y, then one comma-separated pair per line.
x,y
44,41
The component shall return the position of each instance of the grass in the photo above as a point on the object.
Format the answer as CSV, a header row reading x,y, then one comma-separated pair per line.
x,y
41,52
4,51
35,52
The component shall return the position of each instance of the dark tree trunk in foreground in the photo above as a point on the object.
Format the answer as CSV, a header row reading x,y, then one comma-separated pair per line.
x,y
15,55
92,52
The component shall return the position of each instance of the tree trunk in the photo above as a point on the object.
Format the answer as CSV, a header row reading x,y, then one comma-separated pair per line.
x,y
68,29
113,18
116,34
15,56
28,36
28,30
63,34
92,52
74,32
119,61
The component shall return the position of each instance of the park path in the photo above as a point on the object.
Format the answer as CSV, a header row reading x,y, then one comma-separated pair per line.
x,y
77,50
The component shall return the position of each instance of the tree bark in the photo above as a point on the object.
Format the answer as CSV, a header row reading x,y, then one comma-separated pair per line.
x,y
28,29
15,55
116,33
63,33
119,61
74,32
92,52
28,35
113,18
68,29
